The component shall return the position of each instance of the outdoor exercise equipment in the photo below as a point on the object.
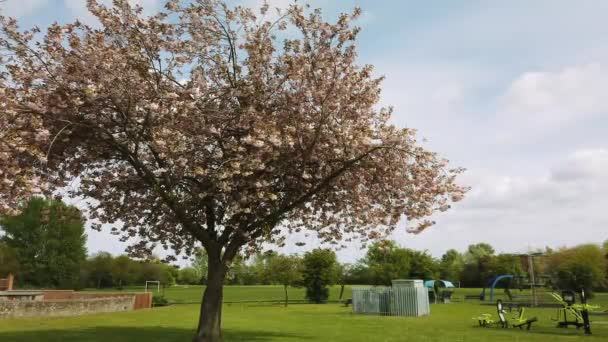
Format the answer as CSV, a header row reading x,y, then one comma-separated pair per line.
x,y
518,321
569,310
486,320
439,290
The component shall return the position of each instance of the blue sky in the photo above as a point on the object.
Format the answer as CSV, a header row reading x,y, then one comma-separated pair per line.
x,y
515,91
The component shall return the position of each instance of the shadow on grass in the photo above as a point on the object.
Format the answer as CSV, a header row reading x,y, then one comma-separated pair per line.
x,y
148,334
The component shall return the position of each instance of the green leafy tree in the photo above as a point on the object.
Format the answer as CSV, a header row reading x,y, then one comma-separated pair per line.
x,y
422,265
201,263
476,260
9,264
189,276
451,265
344,272
156,270
260,265
358,273
580,267
503,264
99,269
387,261
319,272
123,271
285,270
242,273
477,252
49,241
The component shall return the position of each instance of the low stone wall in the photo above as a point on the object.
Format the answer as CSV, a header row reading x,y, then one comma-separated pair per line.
x,y
73,307
141,300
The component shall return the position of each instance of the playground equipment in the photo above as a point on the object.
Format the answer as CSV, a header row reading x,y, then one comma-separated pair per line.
x,y
518,321
491,284
534,282
580,312
438,290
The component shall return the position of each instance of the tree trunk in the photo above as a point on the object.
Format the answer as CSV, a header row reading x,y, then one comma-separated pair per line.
x,y
286,297
210,320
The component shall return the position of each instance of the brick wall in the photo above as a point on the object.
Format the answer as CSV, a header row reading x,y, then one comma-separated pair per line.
x,y
7,283
58,294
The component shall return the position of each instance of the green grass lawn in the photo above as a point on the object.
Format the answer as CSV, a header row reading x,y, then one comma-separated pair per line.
x,y
298,322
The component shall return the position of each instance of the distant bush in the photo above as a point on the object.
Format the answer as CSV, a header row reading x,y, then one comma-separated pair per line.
x,y
159,300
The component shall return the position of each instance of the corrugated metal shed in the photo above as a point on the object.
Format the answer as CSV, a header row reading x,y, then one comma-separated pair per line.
x,y
391,301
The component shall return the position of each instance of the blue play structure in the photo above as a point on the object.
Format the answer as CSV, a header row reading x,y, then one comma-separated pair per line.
x,y
431,283
439,290
491,284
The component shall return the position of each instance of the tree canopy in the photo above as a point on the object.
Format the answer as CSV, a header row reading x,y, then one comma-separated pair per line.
x,y
207,124
122,270
99,269
386,261
291,135
451,265
320,270
49,241
580,267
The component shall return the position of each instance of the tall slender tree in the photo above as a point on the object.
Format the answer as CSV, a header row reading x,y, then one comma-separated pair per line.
x,y
285,270
214,126
49,241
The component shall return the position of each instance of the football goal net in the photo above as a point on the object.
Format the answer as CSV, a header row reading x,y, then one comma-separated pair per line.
x,y
151,284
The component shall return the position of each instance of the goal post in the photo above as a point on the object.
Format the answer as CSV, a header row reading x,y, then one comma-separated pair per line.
x,y
157,282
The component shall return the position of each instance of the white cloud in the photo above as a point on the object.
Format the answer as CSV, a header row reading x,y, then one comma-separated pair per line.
x,y
538,104
22,8
558,97
564,206
583,165
420,90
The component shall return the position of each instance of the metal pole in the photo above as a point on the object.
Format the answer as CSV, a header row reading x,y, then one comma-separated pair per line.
x,y
532,279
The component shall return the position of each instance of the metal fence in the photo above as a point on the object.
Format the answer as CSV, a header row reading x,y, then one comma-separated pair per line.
x,y
391,301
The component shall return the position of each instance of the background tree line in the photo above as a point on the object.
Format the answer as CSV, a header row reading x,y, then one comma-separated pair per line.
x,y
583,266
44,246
